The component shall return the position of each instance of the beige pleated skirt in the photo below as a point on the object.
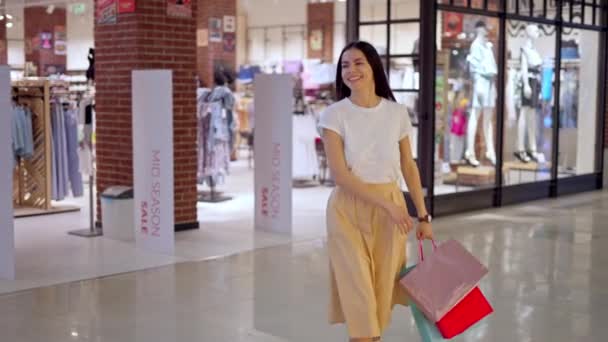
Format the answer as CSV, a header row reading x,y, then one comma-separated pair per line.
x,y
366,253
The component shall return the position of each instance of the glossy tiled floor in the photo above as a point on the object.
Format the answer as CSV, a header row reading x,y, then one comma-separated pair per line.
x,y
47,255
548,281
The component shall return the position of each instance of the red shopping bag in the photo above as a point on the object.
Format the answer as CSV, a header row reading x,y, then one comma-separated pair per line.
x,y
471,309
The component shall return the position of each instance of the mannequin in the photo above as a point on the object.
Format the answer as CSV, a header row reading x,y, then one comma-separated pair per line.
x,y
483,71
531,64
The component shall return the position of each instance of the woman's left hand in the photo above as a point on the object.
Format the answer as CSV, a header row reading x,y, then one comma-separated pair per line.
x,y
424,231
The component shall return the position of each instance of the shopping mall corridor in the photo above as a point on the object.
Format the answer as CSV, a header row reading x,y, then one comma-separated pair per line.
x,y
548,281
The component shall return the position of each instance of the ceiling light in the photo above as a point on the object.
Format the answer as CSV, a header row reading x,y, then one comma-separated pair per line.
x,y
8,16
1,17
9,24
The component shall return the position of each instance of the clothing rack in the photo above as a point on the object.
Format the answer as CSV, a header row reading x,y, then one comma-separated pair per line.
x,y
32,181
32,186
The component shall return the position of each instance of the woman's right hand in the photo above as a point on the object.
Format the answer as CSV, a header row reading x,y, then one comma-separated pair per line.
x,y
400,217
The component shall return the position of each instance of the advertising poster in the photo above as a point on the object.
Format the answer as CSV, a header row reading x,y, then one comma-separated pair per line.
x,y
229,23
106,12
316,40
61,46
202,37
46,40
215,30
126,6
229,42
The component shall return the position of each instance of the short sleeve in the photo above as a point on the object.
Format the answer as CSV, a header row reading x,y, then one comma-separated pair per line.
x,y
406,124
332,120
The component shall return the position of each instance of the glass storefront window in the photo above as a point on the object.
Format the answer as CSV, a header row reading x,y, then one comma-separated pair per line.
x,y
529,101
410,100
405,9
373,10
578,103
403,74
375,35
465,103
404,38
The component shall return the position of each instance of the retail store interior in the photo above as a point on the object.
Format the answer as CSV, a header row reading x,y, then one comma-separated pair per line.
x,y
51,51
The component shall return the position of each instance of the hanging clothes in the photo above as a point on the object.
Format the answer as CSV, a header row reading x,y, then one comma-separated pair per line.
x,y
64,151
214,135
86,118
547,83
569,98
71,131
22,135
305,162
58,147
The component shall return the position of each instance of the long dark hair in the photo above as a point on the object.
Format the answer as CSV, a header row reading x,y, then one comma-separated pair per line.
x,y
383,89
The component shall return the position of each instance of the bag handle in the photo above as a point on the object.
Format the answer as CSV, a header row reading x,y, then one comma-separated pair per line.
x,y
421,251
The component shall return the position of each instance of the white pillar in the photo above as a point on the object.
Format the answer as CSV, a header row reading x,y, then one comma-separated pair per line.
x,y
7,233
152,92
273,110
587,99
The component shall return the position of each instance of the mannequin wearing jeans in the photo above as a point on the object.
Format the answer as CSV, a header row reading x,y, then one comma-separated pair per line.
x,y
531,63
483,69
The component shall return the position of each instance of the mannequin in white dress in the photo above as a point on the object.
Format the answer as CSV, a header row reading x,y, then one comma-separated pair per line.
x,y
531,63
483,70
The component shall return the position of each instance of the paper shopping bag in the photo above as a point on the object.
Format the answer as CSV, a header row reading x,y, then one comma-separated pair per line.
x,y
443,279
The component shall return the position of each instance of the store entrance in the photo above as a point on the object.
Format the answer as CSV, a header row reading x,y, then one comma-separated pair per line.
x,y
226,170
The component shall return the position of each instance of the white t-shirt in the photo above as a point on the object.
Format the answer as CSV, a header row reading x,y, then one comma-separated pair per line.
x,y
371,137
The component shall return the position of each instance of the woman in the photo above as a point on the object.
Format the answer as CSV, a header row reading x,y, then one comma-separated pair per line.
x,y
367,141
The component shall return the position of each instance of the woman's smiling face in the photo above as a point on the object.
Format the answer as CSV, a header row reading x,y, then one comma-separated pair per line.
x,y
357,73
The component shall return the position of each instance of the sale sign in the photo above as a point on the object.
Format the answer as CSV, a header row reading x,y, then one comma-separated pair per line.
x,y
273,152
153,160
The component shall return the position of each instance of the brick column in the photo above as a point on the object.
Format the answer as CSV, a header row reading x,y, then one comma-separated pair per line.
x,y
36,22
3,45
320,16
146,39
215,52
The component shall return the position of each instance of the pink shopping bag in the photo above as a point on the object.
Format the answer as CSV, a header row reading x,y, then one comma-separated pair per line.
x,y
443,279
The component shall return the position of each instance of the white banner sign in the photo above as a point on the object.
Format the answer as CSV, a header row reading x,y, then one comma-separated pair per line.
x,y
153,160
7,234
273,152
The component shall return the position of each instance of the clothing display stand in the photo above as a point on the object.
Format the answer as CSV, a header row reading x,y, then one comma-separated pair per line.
x,y
32,186
32,181
213,141
92,231
477,176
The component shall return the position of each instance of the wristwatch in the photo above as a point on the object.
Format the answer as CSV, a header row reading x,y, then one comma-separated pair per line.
x,y
426,218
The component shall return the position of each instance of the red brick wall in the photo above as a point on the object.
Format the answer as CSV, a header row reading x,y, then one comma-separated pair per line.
x,y
214,51
36,21
320,16
147,39
3,45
